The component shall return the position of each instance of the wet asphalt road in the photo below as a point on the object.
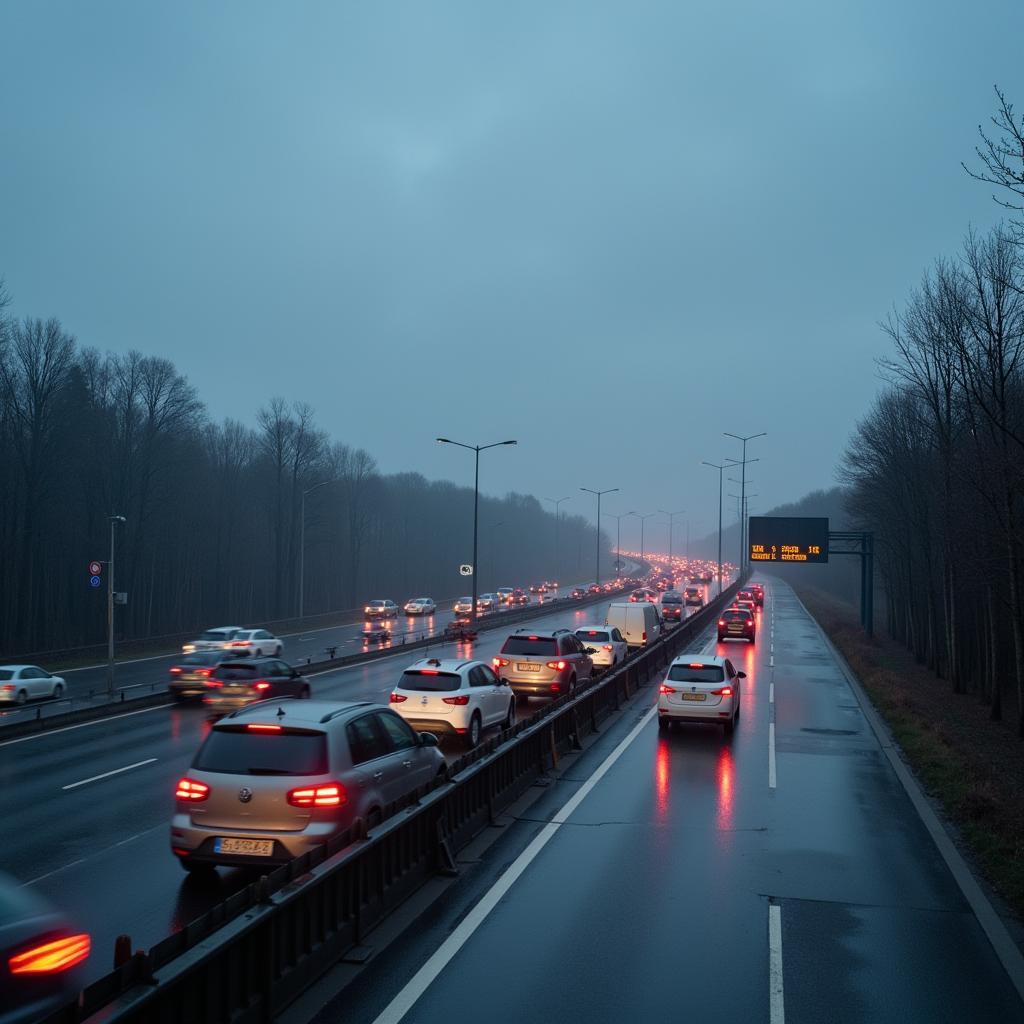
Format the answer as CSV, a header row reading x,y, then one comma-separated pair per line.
x,y
97,845
652,902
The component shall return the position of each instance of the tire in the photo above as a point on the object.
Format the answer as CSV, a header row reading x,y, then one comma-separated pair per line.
x,y
444,774
258,653
474,731
510,718
22,697
58,691
277,651
719,637
572,685
196,870
305,694
663,724
730,726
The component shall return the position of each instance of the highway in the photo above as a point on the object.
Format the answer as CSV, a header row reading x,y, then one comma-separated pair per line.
x,y
87,807
782,875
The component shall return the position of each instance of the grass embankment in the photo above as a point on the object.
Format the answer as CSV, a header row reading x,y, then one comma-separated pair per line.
x,y
972,765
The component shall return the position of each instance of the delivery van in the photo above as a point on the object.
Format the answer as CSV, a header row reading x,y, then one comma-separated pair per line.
x,y
638,622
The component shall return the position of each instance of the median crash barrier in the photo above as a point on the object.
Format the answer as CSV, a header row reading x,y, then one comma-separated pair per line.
x,y
248,958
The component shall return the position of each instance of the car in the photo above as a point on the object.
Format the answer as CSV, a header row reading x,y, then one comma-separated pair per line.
x,y
737,624
706,577
21,683
276,779
519,597
505,594
594,588
546,663
464,606
608,644
460,629
577,593
486,603
747,603
745,595
637,621
672,606
235,683
758,591
700,688
552,584
189,673
420,606
643,594
538,588
217,639
41,953
256,643
452,697
381,609
693,597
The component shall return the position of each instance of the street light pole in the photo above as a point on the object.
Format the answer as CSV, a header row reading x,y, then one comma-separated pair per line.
x,y
642,517
671,528
302,543
114,520
743,489
477,449
609,490
618,538
556,502
715,465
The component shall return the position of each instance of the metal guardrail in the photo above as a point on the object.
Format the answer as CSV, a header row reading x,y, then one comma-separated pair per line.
x,y
248,958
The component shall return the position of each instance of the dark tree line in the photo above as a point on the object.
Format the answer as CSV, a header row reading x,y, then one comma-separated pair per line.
x,y
214,510
937,467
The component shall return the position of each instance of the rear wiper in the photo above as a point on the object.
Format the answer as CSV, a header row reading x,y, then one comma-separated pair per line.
x,y
267,771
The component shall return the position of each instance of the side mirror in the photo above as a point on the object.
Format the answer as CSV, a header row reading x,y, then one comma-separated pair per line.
x,y
428,739
741,675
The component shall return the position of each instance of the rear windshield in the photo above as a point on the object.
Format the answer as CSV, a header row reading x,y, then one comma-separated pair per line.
x,y
241,671
237,751
691,591
6,673
671,599
428,681
598,635
201,658
541,645
639,593
736,615
744,595
218,634
701,674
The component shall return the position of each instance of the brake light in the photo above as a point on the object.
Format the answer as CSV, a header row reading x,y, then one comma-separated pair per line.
x,y
261,686
51,957
499,662
397,698
558,666
189,789
643,636
7,688
725,691
533,638
213,683
721,622
666,689
205,672
555,688
331,794
606,647
261,727
695,664
174,672
460,700
240,643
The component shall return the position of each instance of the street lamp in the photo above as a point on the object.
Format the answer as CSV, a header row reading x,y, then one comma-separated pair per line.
x,y
642,517
610,490
743,487
671,525
114,520
476,449
556,502
618,537
302,543
715,465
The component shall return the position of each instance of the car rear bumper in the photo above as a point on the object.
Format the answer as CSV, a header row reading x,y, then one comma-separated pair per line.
x,y
196,845
721,712
438,726
536,688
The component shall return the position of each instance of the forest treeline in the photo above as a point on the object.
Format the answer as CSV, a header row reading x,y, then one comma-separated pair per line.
x,y
936,468
212,509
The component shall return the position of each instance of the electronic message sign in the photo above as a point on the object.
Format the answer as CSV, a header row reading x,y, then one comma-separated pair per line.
x,y
788,538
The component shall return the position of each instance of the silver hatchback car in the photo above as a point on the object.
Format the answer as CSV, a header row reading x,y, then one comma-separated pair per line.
x,y
277,778
547,663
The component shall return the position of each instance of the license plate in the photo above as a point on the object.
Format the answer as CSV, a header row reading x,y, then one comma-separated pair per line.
x,y
527,667
735,629
694,696
234,691
249,847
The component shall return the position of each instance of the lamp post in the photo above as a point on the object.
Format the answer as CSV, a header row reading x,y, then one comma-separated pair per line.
x,y
610,490
642,517
671,526
715,465
476,449
556,502
493,526
114,520
302,543
743,488
618,538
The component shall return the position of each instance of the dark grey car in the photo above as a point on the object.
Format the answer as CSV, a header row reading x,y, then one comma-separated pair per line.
x,y
543,663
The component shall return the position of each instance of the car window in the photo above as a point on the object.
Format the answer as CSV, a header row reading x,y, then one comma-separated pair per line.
x,y
592,636
616,635
429,680
237,751
6,673
729,669
696,673
541,646
490,678
399,735
477,678
366,741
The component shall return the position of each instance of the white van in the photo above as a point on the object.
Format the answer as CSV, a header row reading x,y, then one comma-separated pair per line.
x,y
638,621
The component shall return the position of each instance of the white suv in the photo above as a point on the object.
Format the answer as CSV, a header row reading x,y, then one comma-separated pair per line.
x,y
608,643
454,698
700,688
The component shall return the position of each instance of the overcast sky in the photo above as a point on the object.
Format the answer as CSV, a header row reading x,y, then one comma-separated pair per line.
x,y
609,230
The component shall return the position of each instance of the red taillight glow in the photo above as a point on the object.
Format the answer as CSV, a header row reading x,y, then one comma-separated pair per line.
x,y
499,662
695,664
261,727
725,691
606,647
331,794
721,622
189,789
558,666
555,688
397,698
261,686
51,957
175,671
428,672
240,643
643,636
213,683
460,700
666,689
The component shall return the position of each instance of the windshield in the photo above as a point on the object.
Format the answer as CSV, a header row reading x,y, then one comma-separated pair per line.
x,y
593,635
696,673
6,673
538,645
236,751
218,634
429,680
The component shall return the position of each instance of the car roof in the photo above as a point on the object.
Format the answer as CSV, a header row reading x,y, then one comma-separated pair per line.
x,y
17,668
547,634
443,664
603,626
296,711
704,659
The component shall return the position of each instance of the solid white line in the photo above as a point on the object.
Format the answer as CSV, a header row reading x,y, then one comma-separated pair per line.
x,y
106,775
82,725
428,973
771,693
771,755
776,1004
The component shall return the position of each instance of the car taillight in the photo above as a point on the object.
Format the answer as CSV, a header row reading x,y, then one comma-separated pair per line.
x,y
205,672
555,688
261,686
460,700
397,698
330,794
499,662
666,689
558,666
51,957
643,636
721,622
213,683
263,727
725,691
240,643
606,647
175,671
189,789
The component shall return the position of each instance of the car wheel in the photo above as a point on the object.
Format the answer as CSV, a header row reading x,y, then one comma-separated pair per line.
x,y
510,718
22,696
58,691
572,685
729,726
277,651
196,869
306,694
473,732
444,774
663,724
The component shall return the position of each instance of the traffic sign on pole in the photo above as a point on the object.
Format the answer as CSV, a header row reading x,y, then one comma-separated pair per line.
x,y
95,568
465,570
95,581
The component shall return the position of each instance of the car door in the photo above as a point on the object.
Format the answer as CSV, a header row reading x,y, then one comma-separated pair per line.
x,y
409,764
284,682
483,685
620,644
370,752
36,682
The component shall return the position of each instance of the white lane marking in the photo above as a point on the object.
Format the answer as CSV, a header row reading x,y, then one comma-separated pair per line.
x,y
771,693
771,661
771,755
82,725
776,1004
106,775
428,973
81,860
